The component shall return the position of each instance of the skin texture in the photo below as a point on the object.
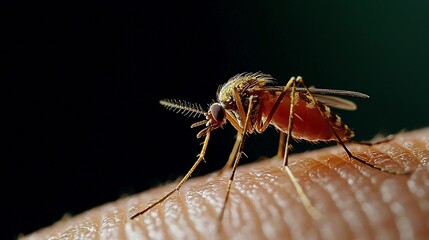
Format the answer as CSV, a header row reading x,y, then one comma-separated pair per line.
x,y
356,201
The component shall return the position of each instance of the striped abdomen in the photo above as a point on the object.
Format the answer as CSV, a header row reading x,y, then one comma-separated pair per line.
x,y
308,121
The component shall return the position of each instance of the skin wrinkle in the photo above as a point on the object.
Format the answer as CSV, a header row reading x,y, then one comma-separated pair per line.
x,y
84,230
270,187
236,208
417,150
264,207
287,217
416,184
312,191
409,214
146,220
105,223
150,218
385,159
417,154
122,218
418,187
216,202
177,205
242,193
244,204
210,207
231,218
149,222
362,152
377,208
401,220
421,177
184,211
265,185
378,214
131,231
340,197
160,216
319,176
303,215
344,172
203,207
391,189
399,154
281,187
351,177
270,204
177,218
169,211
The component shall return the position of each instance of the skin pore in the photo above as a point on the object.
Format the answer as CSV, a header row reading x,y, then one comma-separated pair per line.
x,y
355,200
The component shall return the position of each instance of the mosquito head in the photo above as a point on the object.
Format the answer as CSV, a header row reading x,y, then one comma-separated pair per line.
x,y
215,117
217,112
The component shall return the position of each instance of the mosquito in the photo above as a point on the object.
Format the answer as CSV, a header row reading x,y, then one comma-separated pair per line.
x,y
251,102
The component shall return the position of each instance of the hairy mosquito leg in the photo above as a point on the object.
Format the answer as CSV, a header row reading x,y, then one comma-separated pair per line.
x,y
232,155
281,149
290,123
177,188
350,154
263,126
230,180
237,160
312,211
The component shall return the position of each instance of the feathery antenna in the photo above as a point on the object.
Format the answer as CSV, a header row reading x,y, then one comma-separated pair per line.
x,y
183,107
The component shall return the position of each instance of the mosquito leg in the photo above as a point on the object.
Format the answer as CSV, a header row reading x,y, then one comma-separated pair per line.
x,y
312,211
231,178
237,126
281,150
261,128
237,159
177,188
290,125
365,162
232,155
239,105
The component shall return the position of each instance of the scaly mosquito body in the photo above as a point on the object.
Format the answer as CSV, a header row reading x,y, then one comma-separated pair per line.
x,y
251,103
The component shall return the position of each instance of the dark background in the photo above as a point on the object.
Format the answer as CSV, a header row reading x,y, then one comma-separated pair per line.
x,y
83,80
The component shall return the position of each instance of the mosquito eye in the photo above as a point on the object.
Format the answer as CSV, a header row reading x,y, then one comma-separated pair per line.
x,y
217,112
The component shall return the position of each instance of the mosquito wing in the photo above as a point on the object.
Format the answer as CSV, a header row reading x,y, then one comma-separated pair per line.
x,y
336,102
330,97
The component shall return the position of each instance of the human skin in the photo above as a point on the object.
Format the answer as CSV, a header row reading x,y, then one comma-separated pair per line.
x,y
355,200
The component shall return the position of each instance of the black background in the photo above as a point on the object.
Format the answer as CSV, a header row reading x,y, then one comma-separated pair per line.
x,y
83,80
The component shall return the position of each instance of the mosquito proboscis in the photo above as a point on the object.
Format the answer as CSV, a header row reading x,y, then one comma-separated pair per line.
x,y
251,102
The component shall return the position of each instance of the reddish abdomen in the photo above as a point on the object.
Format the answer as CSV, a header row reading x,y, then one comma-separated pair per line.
x,y
308,121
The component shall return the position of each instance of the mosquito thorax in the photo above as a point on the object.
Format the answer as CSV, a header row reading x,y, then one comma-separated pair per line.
x,y
243,83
